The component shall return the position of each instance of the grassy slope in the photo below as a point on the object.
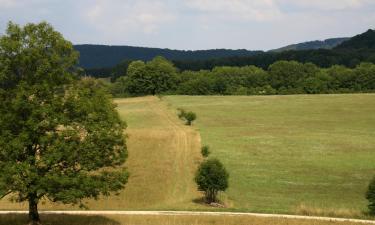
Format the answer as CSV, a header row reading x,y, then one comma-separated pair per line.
x,y
163,156
286,151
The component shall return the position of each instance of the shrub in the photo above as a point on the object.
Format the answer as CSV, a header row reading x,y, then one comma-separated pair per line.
x,y
205,151
370,195
181,113
189,117
211,178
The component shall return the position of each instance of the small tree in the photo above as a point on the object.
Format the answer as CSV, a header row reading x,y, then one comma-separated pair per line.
x,y
211,178
205,151
190,117
370,195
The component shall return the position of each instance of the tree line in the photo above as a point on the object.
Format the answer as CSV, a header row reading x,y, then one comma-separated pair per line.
x,y
160,76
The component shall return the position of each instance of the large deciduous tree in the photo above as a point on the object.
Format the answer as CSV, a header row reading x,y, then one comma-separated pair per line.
x,y
60,136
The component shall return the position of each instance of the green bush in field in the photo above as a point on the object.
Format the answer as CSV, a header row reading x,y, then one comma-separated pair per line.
x,y
205,151
211,178
189,117
370,195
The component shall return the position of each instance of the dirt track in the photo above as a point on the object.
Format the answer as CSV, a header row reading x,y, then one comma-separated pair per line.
x,y
194,213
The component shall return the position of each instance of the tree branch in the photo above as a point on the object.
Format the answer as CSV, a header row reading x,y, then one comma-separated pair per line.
x,y
1,197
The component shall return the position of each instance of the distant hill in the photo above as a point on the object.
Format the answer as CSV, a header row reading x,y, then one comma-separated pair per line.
x,y
364,41
100,56
350,53
326,44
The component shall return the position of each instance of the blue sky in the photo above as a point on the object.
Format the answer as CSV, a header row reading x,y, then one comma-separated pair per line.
x,y
195,24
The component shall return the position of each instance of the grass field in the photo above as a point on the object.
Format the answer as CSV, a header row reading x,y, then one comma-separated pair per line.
x,y
163,220
311,155
291,154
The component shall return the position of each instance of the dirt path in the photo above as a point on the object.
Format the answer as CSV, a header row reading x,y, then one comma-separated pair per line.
x,y
195,213
187,144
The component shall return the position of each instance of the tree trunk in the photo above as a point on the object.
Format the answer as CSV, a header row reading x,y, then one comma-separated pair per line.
x,y
33,211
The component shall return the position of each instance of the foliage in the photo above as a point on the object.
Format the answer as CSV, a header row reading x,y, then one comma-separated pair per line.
x,y
211,177
205,151
282,77
154,77
370,195
189,117
58,135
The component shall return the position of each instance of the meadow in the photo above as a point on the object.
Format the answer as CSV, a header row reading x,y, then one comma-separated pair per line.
x,y
304,154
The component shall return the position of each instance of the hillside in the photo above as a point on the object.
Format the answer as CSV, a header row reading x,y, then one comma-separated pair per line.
x,y
99,56
349,53
365,41
326,44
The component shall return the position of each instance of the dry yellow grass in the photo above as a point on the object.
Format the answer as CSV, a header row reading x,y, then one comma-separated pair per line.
x,y
163,156
163,220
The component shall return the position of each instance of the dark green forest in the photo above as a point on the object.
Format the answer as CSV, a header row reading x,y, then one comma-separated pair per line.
x,y
349,53
103,56
348,68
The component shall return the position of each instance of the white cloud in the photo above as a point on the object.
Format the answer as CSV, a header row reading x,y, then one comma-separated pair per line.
x,y
132,16
256,10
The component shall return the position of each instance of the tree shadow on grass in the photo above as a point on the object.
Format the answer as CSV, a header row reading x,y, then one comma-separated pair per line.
x,y
200,201
21,219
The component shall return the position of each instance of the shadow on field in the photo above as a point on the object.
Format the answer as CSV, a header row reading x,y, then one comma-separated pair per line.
x,y
17,219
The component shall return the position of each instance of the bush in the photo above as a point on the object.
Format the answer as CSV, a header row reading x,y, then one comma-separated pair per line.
x,y
370,195
181,113
211,178
189,117
205,151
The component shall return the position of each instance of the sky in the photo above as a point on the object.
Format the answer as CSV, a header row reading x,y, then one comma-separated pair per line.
x,y
195,24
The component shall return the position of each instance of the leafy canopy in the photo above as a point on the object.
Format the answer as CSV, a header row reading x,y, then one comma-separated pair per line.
x,y
60,137
211,178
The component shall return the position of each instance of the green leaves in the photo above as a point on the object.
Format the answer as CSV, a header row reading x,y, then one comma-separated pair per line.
x,y
154,77
60,136
212,177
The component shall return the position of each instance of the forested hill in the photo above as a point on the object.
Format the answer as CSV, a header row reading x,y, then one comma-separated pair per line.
x,y
326,44
350,53
365,41
99,56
